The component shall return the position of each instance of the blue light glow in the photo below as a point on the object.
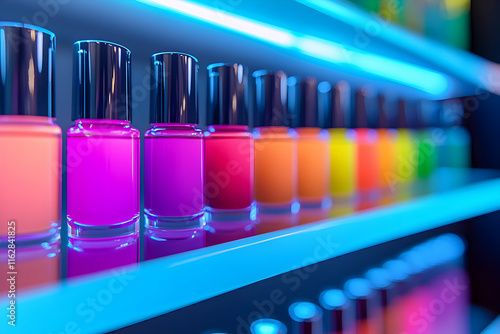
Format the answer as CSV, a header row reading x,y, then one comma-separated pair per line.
x,y
230,21
268,326
398,270
447,247
478,71
358,288
493,327
332,299
415,260
423,79
303,311
379,278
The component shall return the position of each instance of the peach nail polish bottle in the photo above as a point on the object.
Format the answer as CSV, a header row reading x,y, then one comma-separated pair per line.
x,y
313,143
30,141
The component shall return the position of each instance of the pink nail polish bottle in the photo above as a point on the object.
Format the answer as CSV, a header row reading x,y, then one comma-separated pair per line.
x,y
229,154
229,145
103,162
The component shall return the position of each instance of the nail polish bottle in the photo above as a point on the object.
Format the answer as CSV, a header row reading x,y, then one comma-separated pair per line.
x,y
229,145
30,141
387,144
334,106
36,265
368,144
406,149
275,145
103,162
455,150
428,138
313,143
173,163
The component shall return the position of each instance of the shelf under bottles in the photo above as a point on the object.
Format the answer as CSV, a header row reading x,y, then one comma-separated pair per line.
x,y
163,285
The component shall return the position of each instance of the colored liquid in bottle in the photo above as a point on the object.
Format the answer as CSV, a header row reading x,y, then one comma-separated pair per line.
x,y
368,155
313,165
343,162
427,153
173,174
455,150
275,166
173,189
387,147
30,175
229,168
103,195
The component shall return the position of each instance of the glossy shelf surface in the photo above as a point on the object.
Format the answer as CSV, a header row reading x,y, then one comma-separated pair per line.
x,y
130,295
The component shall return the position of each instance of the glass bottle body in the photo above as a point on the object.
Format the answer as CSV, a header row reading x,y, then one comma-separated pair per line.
x,y
314,166
173,189
275,167
229,169
103,195
30,176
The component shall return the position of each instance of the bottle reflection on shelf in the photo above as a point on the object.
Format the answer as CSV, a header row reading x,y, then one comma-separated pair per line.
x,y
218,232
35,266
342,206
270,220
163,242
309,214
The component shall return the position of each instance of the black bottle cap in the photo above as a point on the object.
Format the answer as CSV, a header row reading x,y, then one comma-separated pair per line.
x,y
334,104
174,98
431,112
101,81
303,102
408,114
271,97
227,94
387,110
365,110
401,119
452,112
27,70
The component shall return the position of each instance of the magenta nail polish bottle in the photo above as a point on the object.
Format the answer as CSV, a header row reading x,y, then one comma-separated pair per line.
x,y
173,189
229,146
103,162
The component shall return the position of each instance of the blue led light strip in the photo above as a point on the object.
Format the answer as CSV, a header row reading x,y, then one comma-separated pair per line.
x,y
479,72
424,79
163,285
